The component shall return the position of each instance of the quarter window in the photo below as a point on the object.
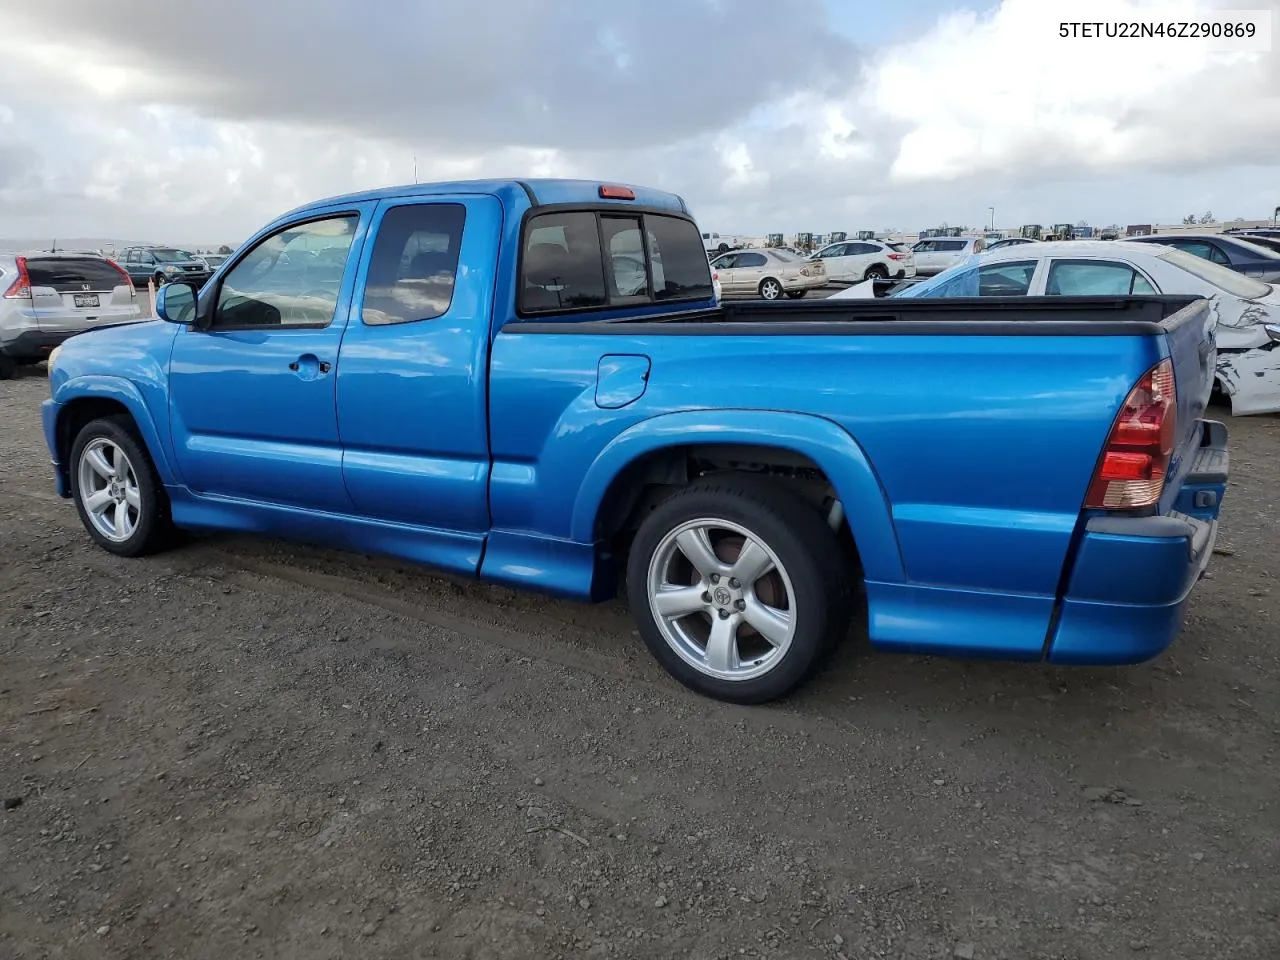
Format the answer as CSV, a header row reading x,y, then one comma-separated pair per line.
x,y
414,264
291,278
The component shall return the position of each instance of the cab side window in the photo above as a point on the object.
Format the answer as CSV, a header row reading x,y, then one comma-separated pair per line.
x,y
290,278
414,263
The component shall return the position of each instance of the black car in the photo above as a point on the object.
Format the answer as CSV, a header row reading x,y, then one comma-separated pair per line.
x,y
1234,252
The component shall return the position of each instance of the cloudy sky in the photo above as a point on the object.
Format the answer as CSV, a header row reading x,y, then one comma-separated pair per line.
x,y
130,118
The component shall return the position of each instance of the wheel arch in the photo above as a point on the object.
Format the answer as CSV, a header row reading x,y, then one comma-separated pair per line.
x,y
659,452
105,397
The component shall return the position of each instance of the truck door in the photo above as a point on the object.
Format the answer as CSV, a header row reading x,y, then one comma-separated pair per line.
x,y
412,382
252,395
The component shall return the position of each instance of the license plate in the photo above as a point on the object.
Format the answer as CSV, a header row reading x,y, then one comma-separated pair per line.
x,y
87,300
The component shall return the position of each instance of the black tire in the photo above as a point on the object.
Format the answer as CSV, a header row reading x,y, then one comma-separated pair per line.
x,y
876,272
806,548
159,280
154,529
796,294
769,289
8,367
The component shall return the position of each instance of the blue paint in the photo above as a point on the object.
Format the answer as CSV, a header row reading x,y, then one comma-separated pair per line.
x,y
468,443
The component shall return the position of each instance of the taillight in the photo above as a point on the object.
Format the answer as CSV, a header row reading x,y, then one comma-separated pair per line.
x,y
1135,460
20,289
897,256
124,273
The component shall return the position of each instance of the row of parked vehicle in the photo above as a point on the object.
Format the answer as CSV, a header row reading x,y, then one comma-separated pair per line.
x,y
773,272
50,296
1238,273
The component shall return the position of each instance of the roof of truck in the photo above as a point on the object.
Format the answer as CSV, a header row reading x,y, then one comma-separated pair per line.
x,y
540,191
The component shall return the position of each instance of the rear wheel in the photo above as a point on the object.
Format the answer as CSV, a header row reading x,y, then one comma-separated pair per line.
x,y
876,272
117,491
770,289
739,588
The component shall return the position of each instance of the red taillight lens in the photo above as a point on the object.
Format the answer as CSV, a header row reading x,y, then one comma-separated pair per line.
x,y
897,256
125,274
20,289
1135,460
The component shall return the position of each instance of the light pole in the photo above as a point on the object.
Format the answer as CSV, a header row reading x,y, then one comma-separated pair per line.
x,y
993,217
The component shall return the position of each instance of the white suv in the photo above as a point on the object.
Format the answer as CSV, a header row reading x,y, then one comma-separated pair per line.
x,y
47,297
852,261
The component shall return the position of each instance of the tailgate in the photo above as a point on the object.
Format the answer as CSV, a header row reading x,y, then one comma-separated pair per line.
x,y
1190,334
73,293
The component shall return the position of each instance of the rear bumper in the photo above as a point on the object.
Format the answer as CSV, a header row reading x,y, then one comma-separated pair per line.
x,y
1132,575
33,344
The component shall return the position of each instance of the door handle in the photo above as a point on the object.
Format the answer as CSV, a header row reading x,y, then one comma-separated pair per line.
x,y
309,365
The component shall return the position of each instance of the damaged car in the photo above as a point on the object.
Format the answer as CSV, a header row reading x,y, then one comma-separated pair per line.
x,y
1247,309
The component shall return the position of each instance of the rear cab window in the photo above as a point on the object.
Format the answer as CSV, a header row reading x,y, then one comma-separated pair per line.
x,y
573,260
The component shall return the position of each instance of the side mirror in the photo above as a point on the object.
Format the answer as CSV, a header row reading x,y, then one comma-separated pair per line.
x,y
176,302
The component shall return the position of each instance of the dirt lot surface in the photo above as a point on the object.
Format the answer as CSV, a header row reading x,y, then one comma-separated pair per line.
x,y
247,749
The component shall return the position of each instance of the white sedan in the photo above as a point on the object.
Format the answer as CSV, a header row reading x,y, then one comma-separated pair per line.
x,y
853,261
1248,310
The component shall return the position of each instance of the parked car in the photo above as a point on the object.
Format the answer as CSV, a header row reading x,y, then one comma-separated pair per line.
x,y
1009,242
1248,310
213,260
856,260
935,254
47,297
508,413
1236,253
162,264
768,273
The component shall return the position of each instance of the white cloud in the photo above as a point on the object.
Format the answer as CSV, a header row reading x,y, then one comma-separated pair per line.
x,y
1006,94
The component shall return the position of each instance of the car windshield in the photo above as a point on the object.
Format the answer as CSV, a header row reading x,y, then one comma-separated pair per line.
x,y
1237,284
169,253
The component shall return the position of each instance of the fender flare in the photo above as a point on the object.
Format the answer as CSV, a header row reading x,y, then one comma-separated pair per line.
x,y
823,441
126,393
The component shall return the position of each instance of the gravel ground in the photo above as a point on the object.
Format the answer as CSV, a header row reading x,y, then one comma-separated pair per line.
x,y
248,749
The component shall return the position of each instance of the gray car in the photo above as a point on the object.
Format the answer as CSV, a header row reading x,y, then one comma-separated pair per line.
x,y
47,297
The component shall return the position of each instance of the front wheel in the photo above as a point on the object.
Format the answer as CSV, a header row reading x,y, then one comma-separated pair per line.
x,y
117,491
159,279
770,289
739,588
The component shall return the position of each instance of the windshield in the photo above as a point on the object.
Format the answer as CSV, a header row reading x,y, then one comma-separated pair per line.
x,y
1258,250
1234,283
169,253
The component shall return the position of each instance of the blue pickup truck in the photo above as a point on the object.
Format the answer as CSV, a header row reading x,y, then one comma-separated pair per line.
x,y
532,382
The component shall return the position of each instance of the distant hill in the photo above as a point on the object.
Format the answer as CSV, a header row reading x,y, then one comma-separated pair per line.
x,y
107,245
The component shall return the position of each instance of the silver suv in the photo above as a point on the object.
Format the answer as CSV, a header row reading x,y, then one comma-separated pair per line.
x,y
47,297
